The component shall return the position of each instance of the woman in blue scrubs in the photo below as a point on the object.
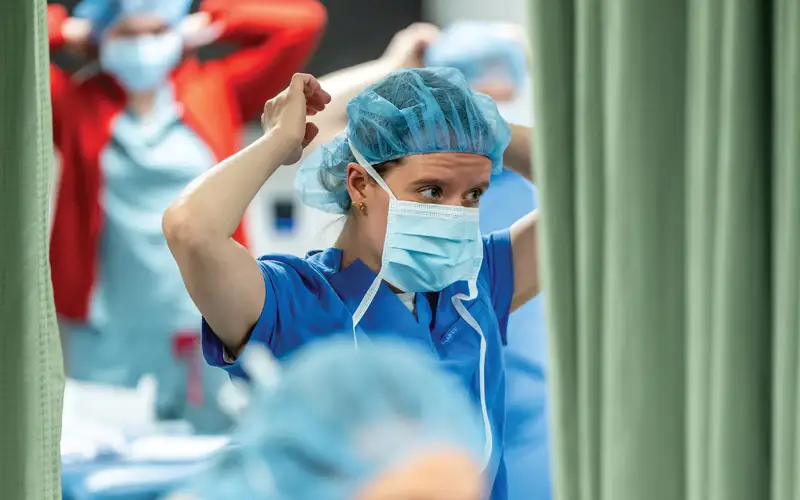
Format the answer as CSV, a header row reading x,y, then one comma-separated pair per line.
x,y
419,150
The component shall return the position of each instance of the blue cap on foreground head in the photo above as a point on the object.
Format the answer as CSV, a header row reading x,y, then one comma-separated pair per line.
x,y
104,13
480,50
337,418
413,111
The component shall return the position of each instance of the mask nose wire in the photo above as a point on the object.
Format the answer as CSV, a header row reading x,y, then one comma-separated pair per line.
x,y
370,170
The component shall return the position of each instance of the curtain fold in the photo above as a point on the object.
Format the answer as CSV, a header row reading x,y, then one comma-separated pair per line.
x,y
785,227
668,153
31,375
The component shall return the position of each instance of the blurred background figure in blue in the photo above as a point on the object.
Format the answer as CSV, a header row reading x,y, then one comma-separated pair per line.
x,y
494,58
131,136
381,422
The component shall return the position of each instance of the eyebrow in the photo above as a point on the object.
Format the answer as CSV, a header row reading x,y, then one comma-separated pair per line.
x,y
428,181
431,181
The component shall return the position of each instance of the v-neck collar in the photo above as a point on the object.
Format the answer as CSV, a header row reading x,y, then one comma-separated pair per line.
x,y
386,315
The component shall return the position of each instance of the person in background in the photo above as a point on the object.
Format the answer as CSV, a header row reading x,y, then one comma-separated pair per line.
x,y
130,138
494,58
382,422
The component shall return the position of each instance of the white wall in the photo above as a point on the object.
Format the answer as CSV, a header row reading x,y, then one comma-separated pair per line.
x,y
443,12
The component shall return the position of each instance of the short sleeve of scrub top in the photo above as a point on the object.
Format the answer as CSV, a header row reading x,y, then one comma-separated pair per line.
x,y
308,291
284,287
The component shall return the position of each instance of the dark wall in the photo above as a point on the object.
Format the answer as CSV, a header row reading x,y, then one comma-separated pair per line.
x,y
358,30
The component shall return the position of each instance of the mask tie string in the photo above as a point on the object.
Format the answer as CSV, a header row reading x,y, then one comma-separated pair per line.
x,y
370,170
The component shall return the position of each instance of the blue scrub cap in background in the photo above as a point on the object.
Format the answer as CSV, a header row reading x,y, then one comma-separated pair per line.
x,y
480,50
412,111
338,417
104,13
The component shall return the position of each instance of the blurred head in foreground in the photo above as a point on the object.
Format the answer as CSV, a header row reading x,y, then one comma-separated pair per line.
x,y
381,422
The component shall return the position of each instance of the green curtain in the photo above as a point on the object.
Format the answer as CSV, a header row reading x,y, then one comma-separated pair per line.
x,y
31,374
668,156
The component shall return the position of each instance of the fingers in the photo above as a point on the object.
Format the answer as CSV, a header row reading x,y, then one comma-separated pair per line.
x,y
317,101
421,35
309,88
425,32
300,81
311,132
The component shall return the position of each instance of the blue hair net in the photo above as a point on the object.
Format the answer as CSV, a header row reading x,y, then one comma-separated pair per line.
x,y
338,417
412,111
480,51
104,13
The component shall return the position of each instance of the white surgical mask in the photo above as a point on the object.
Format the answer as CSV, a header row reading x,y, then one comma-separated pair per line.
x,y
427,248
143,62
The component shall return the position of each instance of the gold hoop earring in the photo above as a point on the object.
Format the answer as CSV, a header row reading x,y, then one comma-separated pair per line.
x,y
362,208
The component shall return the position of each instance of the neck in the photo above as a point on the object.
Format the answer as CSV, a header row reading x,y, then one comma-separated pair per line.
x,y
353,246
142,103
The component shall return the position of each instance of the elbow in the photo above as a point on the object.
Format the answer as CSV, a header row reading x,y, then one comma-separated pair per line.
x,y
182,230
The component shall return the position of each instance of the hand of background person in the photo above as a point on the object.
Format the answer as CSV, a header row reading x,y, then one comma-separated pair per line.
x,y
77,33
197,30
407,48
286,113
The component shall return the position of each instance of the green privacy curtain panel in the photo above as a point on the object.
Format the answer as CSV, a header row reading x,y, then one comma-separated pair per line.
x,y
31,374
668,153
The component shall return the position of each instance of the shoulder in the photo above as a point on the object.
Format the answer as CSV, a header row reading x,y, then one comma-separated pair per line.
x,y
311,271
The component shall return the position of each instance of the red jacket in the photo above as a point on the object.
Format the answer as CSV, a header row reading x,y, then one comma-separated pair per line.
x,y
275,38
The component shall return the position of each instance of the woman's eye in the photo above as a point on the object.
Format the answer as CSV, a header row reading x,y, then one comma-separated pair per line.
x,y
431,192
474,196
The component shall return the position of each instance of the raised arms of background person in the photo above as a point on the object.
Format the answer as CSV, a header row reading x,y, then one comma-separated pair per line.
x,y
275,39
223,279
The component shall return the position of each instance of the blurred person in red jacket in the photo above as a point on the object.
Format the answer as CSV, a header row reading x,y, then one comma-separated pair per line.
x,y
130,138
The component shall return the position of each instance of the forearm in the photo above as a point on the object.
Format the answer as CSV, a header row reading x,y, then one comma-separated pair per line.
x,y
518,155
213,205
345,84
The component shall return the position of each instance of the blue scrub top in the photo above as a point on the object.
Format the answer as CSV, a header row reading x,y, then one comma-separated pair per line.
x,y
509,198
313,298
139,302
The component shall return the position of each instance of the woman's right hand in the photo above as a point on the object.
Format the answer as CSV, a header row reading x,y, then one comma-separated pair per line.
x,y
286,113
408,46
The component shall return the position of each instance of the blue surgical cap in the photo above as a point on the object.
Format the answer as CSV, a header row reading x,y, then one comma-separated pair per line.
x,y
479,50
412,111
339,417
104,13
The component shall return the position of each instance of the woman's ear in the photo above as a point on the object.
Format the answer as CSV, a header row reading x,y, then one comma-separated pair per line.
x,y
356,180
